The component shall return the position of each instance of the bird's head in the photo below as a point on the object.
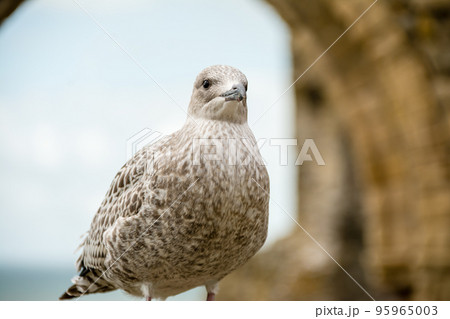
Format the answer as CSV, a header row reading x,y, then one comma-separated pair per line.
x,y
220,93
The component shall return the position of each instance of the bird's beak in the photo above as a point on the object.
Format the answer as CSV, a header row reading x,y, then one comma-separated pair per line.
x,y
237,93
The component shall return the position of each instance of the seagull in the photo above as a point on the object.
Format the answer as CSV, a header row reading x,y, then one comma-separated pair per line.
x,y
186,210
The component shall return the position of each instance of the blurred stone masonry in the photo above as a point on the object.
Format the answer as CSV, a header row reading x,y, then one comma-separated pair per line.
x,y
377,107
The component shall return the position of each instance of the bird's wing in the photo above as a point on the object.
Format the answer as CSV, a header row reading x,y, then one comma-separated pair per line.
x,y
123,199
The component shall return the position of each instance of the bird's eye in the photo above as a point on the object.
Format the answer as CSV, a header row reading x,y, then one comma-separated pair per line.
x,y
205,84
246,86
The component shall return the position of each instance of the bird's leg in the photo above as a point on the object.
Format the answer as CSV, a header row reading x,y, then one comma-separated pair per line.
x,y
211,288
147,291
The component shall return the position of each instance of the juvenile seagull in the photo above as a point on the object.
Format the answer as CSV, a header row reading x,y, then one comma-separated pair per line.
x,y
186,210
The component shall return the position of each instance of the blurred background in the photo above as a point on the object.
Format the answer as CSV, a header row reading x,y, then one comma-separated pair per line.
x,y
376,105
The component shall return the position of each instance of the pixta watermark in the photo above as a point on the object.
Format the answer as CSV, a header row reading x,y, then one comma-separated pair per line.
x,y
234,151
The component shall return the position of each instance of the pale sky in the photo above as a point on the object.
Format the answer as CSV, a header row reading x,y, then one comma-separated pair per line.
x,y
70,99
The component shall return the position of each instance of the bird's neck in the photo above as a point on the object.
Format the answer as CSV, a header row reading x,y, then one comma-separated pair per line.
x,y
209,128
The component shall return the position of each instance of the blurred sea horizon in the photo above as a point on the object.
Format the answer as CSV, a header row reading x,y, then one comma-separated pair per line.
x,y
47,283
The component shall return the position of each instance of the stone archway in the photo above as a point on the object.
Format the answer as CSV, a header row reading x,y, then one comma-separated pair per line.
x,y
377,104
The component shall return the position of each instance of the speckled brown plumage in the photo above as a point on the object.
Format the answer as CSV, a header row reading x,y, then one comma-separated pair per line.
x,y
174,218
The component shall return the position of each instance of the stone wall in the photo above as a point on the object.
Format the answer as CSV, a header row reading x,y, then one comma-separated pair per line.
x,y
7,7
377,106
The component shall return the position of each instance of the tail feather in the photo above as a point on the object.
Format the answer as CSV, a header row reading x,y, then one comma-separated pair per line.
x,y
88,282
66,296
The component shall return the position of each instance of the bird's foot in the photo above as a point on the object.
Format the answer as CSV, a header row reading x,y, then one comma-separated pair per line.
x,y
211,296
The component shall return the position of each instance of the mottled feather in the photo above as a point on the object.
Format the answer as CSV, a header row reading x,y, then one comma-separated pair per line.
x,y
173,220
